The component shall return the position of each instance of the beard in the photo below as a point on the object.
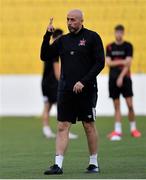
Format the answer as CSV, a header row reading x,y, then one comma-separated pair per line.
x,y
72,29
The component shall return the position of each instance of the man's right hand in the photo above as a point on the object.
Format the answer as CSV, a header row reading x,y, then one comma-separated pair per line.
x,y
50,27
119,81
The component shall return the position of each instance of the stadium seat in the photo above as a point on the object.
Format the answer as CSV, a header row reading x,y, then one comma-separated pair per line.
x,y
23,24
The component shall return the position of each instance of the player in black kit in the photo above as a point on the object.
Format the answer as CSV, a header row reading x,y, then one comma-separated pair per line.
x,y
118,57
51,75
82,59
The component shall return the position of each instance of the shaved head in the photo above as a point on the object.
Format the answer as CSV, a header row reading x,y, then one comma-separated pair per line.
x,y
76,12
74,20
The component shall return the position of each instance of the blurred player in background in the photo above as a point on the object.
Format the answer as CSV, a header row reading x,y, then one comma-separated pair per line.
x,y
118,57
51,75
82,59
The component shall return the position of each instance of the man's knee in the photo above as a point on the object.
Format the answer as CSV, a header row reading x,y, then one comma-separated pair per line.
x,y
89,126
117,107
130,108
63,126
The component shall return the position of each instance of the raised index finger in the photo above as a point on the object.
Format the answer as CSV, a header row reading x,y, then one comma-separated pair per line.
x,y
51,21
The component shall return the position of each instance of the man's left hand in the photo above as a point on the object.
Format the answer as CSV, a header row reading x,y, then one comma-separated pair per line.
x,y
78,87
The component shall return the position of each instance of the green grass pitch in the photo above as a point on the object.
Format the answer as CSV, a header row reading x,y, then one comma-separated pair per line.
x,y
25,153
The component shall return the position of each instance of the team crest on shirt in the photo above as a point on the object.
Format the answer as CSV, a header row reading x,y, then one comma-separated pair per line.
x,y
82,42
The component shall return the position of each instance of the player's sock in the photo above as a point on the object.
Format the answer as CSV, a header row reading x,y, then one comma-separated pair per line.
x,y
132,126
118,127
93,160
59,160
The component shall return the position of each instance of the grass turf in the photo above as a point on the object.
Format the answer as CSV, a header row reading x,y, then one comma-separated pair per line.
x,y
25,153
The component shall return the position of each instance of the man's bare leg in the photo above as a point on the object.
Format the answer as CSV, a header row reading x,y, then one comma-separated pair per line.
x,y
62,139
118,118
45,115
92,139
117,110
131,114
131,117
46,120
116,134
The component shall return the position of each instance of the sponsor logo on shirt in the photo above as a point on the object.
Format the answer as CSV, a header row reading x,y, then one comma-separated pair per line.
x,y
82,42
117,53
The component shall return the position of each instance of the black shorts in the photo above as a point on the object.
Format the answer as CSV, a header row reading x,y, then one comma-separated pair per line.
x,y
49,93
72,107
125,90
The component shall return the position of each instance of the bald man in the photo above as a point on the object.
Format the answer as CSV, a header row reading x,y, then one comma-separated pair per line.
x,y
82,59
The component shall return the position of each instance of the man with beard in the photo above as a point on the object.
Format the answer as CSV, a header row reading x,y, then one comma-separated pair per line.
x,y
82,59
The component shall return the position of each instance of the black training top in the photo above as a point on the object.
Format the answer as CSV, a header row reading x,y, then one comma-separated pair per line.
x,y
81,54
49,79
118,52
